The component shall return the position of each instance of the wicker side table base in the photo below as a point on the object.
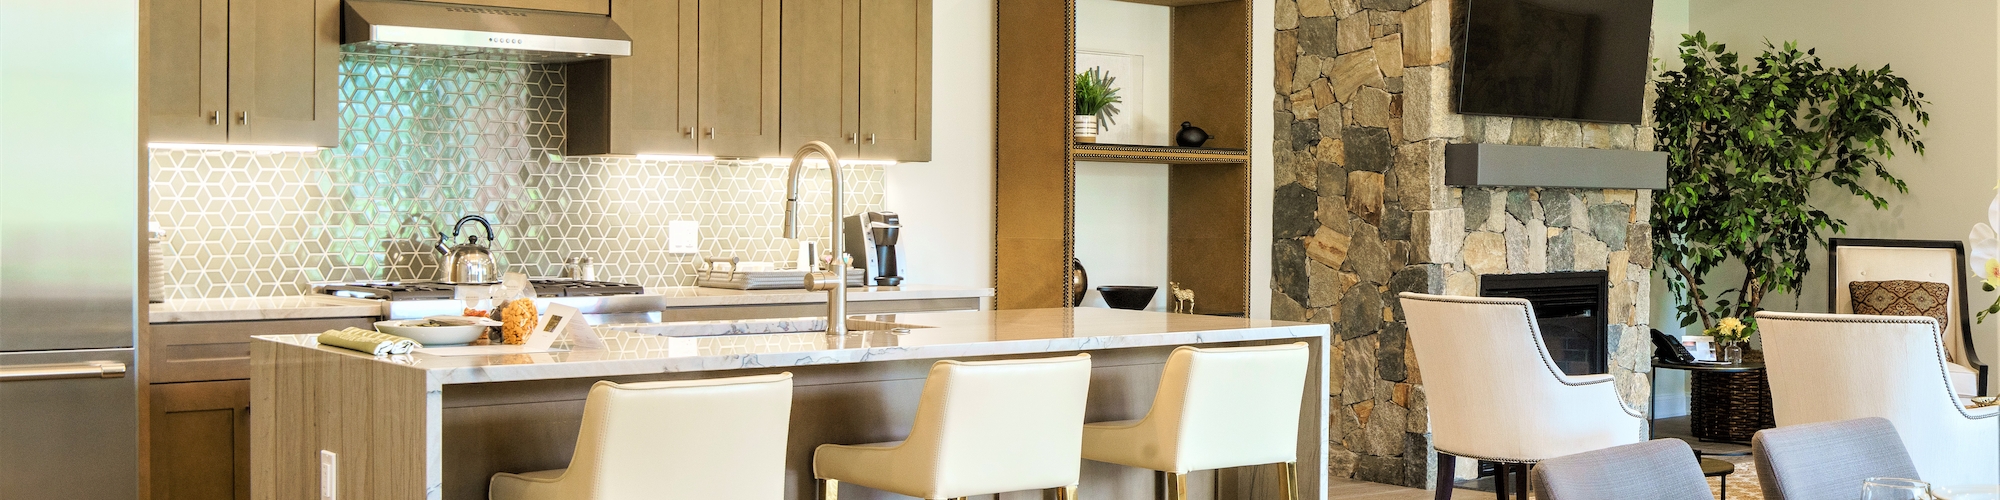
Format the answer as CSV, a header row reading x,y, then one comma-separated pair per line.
x,y
1729,406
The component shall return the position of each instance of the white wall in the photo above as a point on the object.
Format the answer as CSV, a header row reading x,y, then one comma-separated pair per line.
x,y
1121,208
947,203
1950,51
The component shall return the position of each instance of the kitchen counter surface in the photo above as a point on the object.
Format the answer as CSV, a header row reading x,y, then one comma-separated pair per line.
x,y
930,336
327,306
261,308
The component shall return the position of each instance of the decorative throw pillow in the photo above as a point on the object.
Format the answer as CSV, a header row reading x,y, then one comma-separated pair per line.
x,y
1901,298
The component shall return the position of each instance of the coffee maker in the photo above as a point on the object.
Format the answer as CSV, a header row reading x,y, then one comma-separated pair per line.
x,y
871,241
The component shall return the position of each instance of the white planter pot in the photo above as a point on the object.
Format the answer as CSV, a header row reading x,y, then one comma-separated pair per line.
x,y
1086,128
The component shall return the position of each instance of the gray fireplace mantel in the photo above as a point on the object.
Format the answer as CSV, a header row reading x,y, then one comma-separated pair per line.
x,y
1495,165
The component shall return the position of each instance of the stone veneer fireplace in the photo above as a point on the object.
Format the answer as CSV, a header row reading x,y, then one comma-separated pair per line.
x,y
1362,212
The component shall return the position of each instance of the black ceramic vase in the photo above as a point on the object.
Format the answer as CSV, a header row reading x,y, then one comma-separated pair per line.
x,y
1190,136
1078,281
1128,297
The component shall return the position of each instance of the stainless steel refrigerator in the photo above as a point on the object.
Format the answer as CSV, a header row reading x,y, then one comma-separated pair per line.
x,y
70,220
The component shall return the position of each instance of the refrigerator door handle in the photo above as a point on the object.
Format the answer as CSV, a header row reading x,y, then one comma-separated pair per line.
x,y
103,369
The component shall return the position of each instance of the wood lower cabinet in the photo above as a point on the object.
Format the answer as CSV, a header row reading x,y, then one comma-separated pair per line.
x,y
198,379
263,72
858,77
201,440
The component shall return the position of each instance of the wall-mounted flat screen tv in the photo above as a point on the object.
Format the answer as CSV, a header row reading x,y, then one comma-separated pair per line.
x,y
1570,59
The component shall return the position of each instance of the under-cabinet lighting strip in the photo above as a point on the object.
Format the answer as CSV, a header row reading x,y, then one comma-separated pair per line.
x,y
240,148
675,157
821,162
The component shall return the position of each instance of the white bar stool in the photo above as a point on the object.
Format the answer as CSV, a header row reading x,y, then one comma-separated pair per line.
x,y
1216,408
709,439
982,428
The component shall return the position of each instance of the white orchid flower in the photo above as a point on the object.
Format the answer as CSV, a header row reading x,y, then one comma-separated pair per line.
x,y
1986,245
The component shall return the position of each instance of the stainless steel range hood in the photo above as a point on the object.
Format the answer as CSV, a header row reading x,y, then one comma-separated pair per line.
x,y
474,32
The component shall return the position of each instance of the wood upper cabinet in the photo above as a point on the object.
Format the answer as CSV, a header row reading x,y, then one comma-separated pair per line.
x,y
858,77
188,42
822,40
244,72
895,80
738,104
644,103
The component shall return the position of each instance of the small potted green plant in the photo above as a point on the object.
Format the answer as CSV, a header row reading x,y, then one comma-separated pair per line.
x,y
1096,102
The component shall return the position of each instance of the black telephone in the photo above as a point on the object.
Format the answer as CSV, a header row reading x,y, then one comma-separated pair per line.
x,y
1670,350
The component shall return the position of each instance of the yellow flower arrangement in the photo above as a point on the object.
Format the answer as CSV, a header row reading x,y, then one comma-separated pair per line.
x,y
1730,329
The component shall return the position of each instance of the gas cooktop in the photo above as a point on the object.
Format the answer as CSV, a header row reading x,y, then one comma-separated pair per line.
x,y
417,290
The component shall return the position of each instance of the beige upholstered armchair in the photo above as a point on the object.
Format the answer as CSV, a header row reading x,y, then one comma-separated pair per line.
x,y
1828,367
1854,259
1494,393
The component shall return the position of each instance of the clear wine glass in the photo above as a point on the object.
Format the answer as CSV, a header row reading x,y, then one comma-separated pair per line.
x,y
1891,488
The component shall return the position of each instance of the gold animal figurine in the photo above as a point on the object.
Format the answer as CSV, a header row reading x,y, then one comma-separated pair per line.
x,y
1183,298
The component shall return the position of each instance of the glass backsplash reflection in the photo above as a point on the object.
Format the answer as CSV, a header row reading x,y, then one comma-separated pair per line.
x,y
426,141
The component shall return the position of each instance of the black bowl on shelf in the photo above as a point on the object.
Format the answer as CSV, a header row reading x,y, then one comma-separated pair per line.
x,y
1128,297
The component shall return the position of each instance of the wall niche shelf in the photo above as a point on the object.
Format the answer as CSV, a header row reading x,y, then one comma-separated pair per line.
x,y
1131,153
1208,234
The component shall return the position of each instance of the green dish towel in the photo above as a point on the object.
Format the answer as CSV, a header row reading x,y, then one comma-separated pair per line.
x,y
368,341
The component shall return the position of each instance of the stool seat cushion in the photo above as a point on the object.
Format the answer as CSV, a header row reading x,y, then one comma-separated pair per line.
x,y
1215,408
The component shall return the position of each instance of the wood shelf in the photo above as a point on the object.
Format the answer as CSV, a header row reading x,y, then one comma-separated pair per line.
x,y
1034,158
1133,153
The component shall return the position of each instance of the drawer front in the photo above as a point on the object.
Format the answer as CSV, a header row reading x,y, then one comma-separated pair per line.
x,y
193,352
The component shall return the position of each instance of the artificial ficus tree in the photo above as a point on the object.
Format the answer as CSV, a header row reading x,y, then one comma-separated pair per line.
x,y
1747,145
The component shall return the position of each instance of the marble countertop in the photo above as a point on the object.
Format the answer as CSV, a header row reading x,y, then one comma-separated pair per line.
x,y
938,335
261,308
327,306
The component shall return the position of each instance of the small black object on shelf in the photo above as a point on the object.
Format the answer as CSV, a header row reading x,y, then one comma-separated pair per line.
x,y
1128,297
1191,136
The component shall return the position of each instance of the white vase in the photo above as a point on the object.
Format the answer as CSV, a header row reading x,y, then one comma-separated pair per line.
x,y
1086,128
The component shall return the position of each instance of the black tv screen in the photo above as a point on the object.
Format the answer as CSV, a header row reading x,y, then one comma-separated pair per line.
x,y
1570,59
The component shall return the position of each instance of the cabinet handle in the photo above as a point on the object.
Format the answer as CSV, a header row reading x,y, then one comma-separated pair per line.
x,y
243,118
689,132
711,132
871,138
215,118
56,372
853,138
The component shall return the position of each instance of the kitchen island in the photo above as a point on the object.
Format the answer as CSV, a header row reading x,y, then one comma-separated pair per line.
x,y
422,426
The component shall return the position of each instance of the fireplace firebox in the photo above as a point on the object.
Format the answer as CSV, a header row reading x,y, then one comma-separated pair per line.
x,y
1570,309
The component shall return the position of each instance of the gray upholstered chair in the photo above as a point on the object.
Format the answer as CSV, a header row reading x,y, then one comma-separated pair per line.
x,y
1661,469
1828,459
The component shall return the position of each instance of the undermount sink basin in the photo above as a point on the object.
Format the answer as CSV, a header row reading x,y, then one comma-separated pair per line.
x,y
753,327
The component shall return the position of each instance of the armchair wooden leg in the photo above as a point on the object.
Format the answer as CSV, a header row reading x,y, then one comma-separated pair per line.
x,y
1502,474
1521,481
829,489
1447,464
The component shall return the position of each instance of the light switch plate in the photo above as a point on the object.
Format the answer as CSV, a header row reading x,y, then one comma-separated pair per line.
x,y
329,475
683,236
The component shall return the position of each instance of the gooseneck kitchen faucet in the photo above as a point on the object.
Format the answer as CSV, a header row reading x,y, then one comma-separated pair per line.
x,y
833,280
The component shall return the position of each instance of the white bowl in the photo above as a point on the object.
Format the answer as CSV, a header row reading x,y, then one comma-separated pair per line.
x,y
431,336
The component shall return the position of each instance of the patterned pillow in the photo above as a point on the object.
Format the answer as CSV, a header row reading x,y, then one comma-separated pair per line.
x,y
1901,298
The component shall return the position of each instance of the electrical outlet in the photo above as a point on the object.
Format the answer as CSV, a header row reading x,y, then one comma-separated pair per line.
x,y
684,236
329,474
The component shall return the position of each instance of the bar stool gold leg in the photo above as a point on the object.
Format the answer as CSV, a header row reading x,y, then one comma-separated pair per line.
x,y
1065,493
1290,480
1176,486
829,489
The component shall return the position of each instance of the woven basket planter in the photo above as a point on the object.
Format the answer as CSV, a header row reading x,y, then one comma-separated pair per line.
x,y
1729,406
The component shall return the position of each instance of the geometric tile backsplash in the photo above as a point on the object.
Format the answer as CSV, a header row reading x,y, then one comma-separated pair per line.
x,y
426,141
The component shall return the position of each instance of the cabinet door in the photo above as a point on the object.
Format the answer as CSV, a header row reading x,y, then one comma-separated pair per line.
x,y
201,440
739,78
822,67
284,72
188,70
896,80
645,103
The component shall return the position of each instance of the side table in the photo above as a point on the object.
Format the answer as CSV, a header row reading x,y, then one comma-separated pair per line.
x,y
1718,469
1727,402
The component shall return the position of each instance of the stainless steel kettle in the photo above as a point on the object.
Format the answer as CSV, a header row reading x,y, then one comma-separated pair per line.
x,y
468,262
